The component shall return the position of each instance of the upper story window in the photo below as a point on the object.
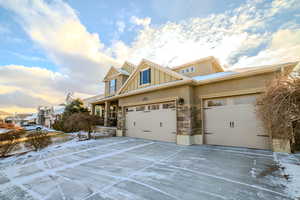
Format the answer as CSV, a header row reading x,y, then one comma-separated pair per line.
x,y
188,70
145,76
112,86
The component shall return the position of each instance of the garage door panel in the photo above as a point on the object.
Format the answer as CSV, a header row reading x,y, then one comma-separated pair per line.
x,y
234,123
152,123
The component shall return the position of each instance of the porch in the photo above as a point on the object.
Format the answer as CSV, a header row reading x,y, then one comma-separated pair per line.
x,y
107,111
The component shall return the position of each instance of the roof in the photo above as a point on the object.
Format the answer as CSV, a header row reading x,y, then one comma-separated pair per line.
x,y
31,117
242,72
93,98
122,71
58,110
152,64
211,58
213,76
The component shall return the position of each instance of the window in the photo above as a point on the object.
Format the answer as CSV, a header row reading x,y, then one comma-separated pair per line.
x,y
168,105
140,108
112,86
187,70
145,76
216,102
245,99
192,69
182,71
153,107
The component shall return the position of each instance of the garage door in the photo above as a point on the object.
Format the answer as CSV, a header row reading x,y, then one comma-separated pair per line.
x,y
233,122
154,122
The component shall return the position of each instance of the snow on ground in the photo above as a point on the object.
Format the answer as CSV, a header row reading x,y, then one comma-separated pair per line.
x,y
291,169
126,168
3,130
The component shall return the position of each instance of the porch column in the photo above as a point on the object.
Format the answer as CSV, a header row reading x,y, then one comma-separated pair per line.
x,y
93,109
106,113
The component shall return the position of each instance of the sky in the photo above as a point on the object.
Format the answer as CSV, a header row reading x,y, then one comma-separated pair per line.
x,y
51,47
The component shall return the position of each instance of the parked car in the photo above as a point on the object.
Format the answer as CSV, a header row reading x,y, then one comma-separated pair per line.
x,y
34,127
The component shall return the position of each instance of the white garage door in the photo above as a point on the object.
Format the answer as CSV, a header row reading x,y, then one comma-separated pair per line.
x,y
233,122
154,122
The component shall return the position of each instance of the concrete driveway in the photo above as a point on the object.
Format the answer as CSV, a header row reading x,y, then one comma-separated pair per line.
x,y
127,168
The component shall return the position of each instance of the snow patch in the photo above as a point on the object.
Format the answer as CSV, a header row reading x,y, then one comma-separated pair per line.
x,y
291,170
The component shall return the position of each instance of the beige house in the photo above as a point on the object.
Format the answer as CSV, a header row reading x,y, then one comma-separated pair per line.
x,y
195,103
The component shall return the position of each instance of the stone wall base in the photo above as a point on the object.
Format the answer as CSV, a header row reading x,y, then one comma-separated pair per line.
x,y
189,139
110,131
120,133
281,145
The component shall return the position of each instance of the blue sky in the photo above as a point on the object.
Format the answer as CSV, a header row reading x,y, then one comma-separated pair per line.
x,y
50,47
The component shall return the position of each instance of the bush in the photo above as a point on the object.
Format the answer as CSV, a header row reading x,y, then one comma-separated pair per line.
x,y
38,140
279,107
58,125
76,106
82,122
9,141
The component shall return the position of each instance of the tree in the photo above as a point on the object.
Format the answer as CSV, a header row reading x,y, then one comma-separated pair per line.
x,y
279,107
76,106
38,140
8,141
82,122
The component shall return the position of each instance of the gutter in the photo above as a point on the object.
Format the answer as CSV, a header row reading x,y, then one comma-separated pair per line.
x,y
245,74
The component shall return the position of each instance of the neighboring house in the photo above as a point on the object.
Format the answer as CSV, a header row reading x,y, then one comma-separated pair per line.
x,y
3,115
21,119
47,115
195,103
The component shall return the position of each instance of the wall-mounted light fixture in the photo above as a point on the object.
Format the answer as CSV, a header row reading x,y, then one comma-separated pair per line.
x,y
181,101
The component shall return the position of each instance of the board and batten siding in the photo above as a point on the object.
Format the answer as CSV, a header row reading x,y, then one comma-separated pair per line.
x,y
202,68
157,77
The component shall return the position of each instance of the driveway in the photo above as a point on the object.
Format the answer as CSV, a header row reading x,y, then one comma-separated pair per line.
x,y
127,168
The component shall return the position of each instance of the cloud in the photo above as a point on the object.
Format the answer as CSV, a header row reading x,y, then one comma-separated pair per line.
x,y
284,47
239,37
65,40
141,21
120,26
20,99
231,36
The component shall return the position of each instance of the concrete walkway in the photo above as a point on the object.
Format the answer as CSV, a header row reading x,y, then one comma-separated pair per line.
x,y
127,168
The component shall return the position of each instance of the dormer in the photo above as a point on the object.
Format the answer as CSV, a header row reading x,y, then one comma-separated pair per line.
x,y
116,77
204,66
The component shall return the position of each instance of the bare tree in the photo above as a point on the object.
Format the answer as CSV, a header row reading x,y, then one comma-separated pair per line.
x,y
9,141
279,107
38,140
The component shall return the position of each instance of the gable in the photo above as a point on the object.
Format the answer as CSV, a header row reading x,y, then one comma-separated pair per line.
x,y
128,67
159,75
111,72
204,66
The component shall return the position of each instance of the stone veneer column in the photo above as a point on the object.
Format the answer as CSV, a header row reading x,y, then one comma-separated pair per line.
x,y
121,121
106,113
184,120
188,124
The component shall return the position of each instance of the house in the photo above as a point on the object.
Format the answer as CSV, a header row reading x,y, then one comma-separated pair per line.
x,y
47,115
198,102
20,119
3,115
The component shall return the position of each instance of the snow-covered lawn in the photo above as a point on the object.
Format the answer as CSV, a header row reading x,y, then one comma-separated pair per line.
x,y
126,168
